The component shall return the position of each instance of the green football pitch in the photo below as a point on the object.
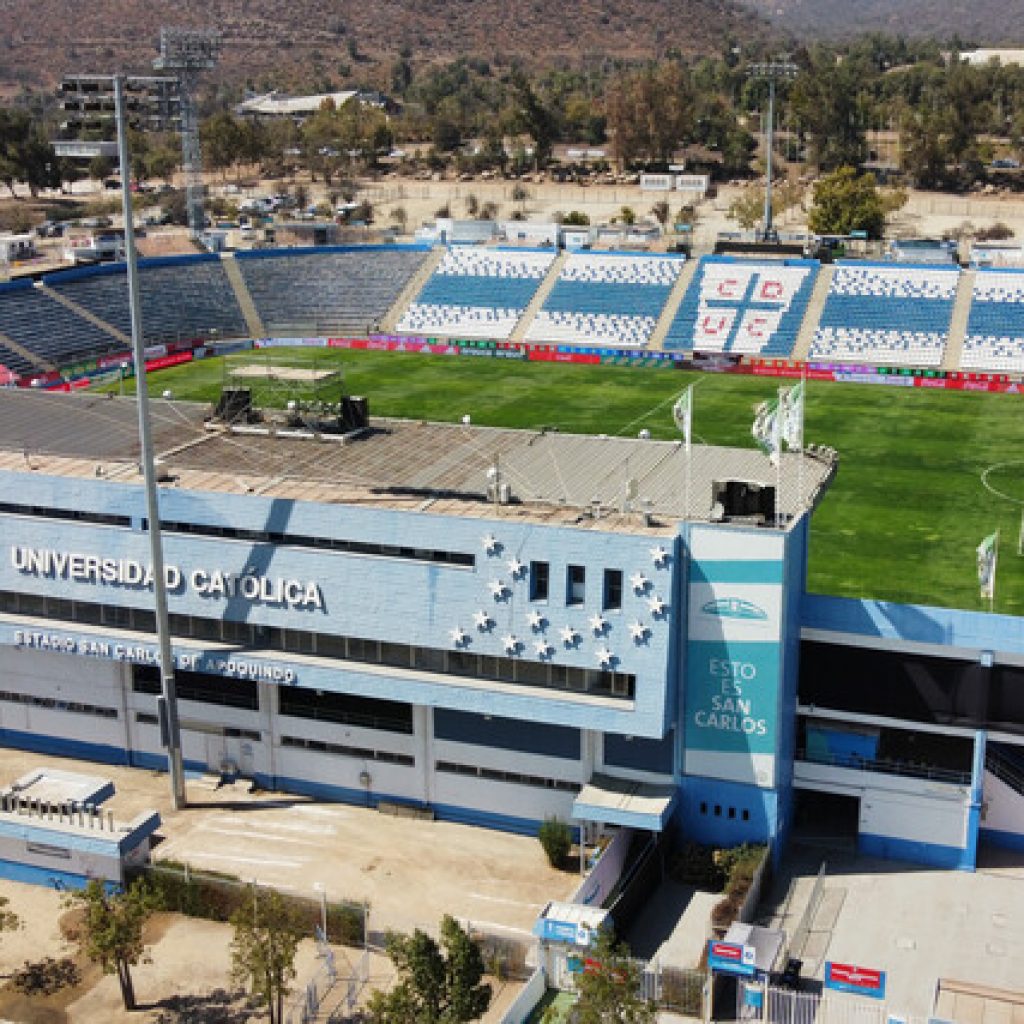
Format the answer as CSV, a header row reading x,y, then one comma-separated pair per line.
x,y
923,475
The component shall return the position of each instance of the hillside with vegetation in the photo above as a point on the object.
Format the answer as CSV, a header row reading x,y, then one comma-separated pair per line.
x,y
974,22
311,42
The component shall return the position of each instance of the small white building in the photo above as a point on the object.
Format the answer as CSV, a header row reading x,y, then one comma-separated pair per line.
x,y
16,247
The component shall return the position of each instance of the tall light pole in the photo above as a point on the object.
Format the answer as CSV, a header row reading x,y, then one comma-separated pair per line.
x,y
170,732
188,52
777,69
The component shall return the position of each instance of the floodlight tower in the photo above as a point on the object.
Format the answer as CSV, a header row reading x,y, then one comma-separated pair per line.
x,y
778,69
187,52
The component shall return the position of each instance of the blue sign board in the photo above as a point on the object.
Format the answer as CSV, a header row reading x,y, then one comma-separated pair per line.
x,y
861,981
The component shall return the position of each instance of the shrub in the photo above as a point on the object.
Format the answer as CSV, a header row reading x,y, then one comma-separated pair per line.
x,y
556,838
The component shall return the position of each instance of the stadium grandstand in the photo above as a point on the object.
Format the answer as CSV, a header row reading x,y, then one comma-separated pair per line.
x,y
606,298
743,306
327,290
478,292
995,328
896,315
881,314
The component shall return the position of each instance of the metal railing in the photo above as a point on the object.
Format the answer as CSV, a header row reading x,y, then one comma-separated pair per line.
x,y
1004,769
888,766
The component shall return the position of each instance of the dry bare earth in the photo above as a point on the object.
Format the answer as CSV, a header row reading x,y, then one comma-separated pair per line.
x,y
308,39
995,22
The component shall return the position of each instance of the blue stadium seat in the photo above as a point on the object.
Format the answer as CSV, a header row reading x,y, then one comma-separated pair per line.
x,y
477,292
995,327
182,297
606,299
329,290
887,314
750,307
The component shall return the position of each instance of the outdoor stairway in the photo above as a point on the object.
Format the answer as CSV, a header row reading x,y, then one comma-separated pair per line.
x,y
958,322
253,323
672,303
85,314
408,294
812,315
539,298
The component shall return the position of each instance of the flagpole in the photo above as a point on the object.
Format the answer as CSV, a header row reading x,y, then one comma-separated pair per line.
x,y
800,468
777,440
992,588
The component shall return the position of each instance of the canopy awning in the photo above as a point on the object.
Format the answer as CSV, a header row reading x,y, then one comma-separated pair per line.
x,y
612,801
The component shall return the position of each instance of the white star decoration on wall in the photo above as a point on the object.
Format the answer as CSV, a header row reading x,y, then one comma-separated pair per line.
x,y
639,582
515,568
536,620
604,657
659,555
490,543
458,635
656,605
482,620
569,636
498,589
598,624
511,642
543,648
638,631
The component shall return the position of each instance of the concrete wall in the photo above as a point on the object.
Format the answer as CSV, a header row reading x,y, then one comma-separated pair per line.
x,y
1002,820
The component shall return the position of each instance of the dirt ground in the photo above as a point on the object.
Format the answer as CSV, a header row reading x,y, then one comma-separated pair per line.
x,y
410,873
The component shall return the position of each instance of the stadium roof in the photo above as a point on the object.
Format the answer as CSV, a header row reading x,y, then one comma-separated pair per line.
x,y
273,104
610,483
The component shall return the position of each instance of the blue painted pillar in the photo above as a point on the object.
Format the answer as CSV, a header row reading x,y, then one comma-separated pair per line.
x,y
970,857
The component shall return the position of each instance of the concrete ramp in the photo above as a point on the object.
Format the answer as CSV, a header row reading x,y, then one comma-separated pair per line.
x,y
539,298
253,323
812,315
958,321
410,291
675,298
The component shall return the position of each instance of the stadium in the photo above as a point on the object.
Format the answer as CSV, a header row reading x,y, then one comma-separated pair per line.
x,y
496,625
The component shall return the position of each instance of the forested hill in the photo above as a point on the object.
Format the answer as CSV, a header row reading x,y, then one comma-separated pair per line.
x,y
304,42
975,22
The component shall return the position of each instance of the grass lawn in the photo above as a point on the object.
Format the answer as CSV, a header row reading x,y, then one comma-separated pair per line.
x,y
901,522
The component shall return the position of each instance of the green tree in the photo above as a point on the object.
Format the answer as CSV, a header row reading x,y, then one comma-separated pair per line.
x,y
554,834
438,983
113,929
830,105
533,117
747,208
609,991
267,936
660,212
845,201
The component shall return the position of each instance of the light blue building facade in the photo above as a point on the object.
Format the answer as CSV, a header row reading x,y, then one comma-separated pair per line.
x,y
393,639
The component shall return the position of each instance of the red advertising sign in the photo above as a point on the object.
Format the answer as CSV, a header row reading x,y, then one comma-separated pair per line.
x,y
727,951
865,977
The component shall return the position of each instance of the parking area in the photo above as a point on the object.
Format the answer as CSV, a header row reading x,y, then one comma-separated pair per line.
x,y
411,872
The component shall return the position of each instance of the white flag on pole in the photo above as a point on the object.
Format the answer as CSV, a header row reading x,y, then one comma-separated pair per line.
x,y
793,418
682,413
766,428
988,554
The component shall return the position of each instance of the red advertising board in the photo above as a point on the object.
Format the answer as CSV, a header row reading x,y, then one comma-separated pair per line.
x,y
727,951
865,977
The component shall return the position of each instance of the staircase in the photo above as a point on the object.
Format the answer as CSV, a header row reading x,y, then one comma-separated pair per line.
x,y
1006,763
958,321
812,315
81,311
539,297
253,323
672,304
408,294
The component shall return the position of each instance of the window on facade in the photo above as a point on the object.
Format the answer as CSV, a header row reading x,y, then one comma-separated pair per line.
x,y
612,589
540,574
576,585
